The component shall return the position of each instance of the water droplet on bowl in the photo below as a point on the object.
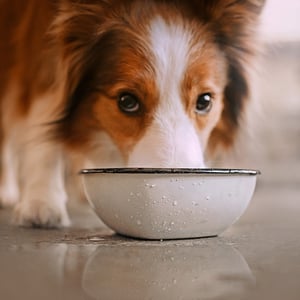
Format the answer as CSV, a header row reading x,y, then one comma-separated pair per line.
x,y
175,203
139,222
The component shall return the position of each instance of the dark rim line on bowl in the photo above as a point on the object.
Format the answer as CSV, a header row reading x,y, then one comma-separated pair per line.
x,y
170,171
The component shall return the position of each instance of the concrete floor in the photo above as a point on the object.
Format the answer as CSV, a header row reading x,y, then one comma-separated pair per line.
x,y
257,258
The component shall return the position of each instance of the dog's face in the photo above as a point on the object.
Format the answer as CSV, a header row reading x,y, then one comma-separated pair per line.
x,y
151,83
159,93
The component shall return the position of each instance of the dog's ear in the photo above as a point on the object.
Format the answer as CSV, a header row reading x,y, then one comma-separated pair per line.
x,y
234,24
75,32
75,36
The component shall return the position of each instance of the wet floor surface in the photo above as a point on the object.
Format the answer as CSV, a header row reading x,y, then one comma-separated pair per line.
x,y
257,258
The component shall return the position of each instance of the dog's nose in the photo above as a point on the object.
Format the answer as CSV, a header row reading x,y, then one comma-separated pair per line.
x,y
176,148
157,158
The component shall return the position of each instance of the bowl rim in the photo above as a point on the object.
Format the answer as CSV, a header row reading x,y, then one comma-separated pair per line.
x,y
198,171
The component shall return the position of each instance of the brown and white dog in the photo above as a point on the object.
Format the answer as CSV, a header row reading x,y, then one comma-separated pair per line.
x,y
139,83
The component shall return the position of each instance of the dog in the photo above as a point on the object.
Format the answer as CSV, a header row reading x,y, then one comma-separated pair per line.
x,y
152,83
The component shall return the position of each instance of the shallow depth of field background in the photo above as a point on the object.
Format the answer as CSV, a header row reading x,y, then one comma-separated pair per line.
x,y
275,144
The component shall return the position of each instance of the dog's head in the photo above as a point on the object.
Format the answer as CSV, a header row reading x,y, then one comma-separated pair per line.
x,y
154,83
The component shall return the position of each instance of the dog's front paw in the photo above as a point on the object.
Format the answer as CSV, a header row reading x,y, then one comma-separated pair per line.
x,y
6,201
8,197
41,213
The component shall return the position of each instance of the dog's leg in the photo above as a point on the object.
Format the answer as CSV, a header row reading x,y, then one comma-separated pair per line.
x,y
9,189
9,135
43,197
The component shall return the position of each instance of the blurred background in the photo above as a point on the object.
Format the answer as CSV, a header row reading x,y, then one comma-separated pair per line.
x,y
275,144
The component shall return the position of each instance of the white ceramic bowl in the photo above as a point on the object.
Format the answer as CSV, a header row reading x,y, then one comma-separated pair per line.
x,y
169,203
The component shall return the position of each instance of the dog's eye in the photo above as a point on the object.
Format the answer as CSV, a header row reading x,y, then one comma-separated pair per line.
x,y
204,103
129,103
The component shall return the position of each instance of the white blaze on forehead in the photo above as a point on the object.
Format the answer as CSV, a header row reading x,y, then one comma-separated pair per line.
x,y
171,140
170,46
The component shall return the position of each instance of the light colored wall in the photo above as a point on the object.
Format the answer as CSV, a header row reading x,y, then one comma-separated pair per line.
x,y
280,20
275,146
